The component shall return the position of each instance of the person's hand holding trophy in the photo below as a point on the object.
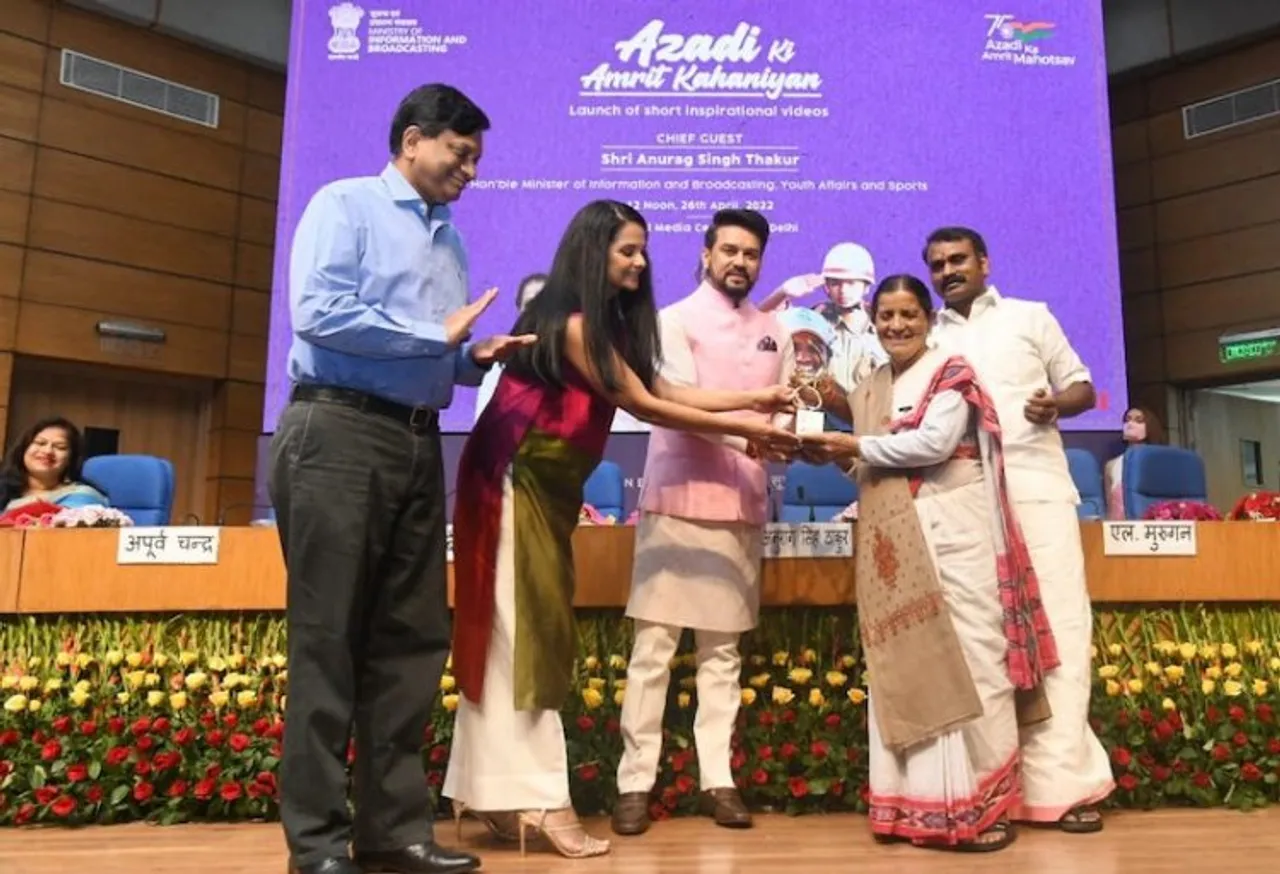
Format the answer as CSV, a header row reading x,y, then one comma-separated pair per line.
x,y
812,337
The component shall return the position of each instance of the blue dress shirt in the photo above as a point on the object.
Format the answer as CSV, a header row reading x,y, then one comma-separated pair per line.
x,y
373,274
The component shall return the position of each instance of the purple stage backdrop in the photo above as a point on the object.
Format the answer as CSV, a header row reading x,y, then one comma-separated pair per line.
x,y
870,121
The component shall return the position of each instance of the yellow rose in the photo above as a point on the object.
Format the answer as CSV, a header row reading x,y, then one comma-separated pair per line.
x,y
160,660
155,698
597,683
836,678
1135,686
1233,688
1113,688
591,663
187,658
246,698
800,676
618,696
9,681
1154,669
53,684
81,686
447,683
856,695
133,679
1229,651
1253,647
34,704
196,680
1108,672
217,664
620,683
64,659
808,657
1274,664
278,661
236,661
28,682
617,662
782,695
816,698
450,702
83,660
748,696
1234,670
592,698
1115,649
847,662
1260,687
1175,673
34,662
178,700
780,658
151,680
1213,672
133,659
114,657
448,662
683,700
759,680
283,675
1166,647
219,699
16,703
1207,687
1187,651
1209,651
122,698
78,697
234,681
1168,705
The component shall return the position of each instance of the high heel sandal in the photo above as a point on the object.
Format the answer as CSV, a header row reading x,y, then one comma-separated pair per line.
x,y
537,821
499,826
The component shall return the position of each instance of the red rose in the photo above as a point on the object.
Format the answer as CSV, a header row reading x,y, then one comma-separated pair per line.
x,y
759,776
161,726
177,789
1121,757
685,784
204,789
1122,719
1164,731
88,728
1273,747
832,720
115,725
612,726
117,755
6,768
586,723
50,751
261,726
657,811
766,719
277,730
267,781
144,743
143,791
214,738
25,814
75,774
140,727
9,738
1128,782
1146,760
45,795
788,750
1221,753
1175,719
1236,714
1213,716
230,791
1161,773
94,794
818,749
588,772
142,768
798,786
208,719
764,753
63,807
213,772
439,754
239,742
1251,773
184,736
1145,717
1265,714
737,760
231,720
788,717
1240,739
62,724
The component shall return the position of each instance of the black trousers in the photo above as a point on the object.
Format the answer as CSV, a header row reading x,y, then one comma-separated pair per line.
x,y
360,507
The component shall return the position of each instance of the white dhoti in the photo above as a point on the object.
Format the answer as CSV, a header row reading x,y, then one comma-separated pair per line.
x,y
1063,763
688,574
503,759
955,786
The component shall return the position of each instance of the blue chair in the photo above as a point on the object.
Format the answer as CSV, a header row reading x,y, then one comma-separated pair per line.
x,y
815,493
605,491
1154,474
1086,473
140,486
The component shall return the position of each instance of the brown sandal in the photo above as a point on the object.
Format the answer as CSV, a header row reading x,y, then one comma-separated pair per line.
x,y
1005,835
1083,820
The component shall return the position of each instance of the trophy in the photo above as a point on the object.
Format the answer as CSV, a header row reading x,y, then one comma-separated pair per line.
x,y
812,337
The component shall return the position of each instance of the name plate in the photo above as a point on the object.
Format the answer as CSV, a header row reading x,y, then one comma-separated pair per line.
x,y
164,545
1174,537
808,540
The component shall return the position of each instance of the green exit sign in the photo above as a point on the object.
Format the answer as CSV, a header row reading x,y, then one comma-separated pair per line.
x,y
1248,347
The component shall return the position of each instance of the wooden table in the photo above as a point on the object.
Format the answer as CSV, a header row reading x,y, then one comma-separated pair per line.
x,y
68,571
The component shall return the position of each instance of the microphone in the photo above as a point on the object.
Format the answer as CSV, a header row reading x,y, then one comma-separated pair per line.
x,y
813,517
222,514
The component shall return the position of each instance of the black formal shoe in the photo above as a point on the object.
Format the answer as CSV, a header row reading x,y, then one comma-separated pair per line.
x,y
418,859
339,865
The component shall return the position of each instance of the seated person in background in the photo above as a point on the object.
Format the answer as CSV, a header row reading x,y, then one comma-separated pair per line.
x,y
1140,426
44,466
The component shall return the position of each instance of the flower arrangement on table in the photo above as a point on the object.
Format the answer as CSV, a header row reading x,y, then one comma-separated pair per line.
x,y
41,514
1257,507
122,720
1191,511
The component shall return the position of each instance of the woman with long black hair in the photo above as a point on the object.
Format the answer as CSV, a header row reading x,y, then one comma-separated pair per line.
x,y
519,493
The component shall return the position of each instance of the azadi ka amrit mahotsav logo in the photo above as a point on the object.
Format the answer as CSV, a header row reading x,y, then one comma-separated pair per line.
x,y
1010,41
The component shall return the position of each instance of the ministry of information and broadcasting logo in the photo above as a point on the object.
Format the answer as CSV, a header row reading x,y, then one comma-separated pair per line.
x,y
1010,41
345,42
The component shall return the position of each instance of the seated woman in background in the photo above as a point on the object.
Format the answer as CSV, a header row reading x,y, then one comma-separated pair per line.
x,y
45,466
1140,426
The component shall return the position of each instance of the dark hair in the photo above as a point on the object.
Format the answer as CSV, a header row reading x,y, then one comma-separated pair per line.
x,y
579,283
524,286
956,234
434,109
747,219
13,470
903,282
1155,427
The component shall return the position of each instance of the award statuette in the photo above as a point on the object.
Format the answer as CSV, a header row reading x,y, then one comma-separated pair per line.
x,y
812,336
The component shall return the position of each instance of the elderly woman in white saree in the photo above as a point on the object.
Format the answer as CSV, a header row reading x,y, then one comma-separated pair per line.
x,y
955,637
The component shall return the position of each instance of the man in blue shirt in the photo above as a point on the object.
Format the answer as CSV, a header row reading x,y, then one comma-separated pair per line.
x,y
378,298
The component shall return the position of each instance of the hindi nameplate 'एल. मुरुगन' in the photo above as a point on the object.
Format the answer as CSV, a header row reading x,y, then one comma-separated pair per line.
x,y
1149,538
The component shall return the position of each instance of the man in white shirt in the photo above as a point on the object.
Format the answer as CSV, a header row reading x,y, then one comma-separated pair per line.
x,y
1022,356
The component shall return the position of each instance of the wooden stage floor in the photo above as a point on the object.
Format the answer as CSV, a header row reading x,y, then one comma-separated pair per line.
x,y
1133,843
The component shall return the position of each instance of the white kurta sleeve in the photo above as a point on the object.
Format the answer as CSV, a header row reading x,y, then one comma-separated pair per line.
x,y
940,432
680,368
1061,361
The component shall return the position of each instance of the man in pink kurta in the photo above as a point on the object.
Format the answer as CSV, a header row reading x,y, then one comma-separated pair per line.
x,y
698,541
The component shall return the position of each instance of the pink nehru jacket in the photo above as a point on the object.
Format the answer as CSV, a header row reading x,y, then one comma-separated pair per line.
x,y
691,476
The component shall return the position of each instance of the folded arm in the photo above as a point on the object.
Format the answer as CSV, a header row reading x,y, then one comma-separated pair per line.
x,y
324,293
941,429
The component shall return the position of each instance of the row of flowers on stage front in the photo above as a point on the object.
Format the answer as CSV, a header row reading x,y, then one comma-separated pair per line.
x,y
112,735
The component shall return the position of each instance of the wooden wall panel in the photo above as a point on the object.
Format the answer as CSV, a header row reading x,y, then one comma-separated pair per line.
x,y
112,211
1199,224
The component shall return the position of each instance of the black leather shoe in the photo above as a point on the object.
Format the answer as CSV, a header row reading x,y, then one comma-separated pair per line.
x,y
418,859
328,866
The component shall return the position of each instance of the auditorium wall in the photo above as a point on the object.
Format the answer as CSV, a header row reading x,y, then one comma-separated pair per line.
x,y
1222,423
109,211
1199,224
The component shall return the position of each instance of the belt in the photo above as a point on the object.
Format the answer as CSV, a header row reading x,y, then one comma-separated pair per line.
x,y
417,419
